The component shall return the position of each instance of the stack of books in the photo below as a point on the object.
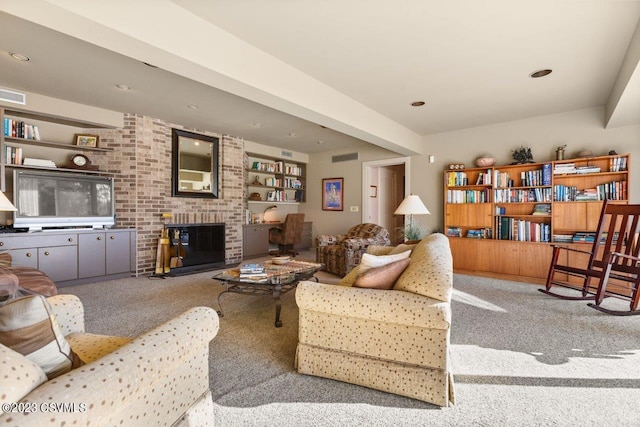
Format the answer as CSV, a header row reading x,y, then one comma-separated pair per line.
x,y
542,209
587,169
564,168
584,237
252,271
563,238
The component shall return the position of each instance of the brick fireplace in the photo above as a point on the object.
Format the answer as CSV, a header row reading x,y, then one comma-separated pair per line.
x,y
141,163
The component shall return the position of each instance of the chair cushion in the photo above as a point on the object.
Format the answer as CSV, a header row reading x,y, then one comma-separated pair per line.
x,y
28,326
382,277
25,376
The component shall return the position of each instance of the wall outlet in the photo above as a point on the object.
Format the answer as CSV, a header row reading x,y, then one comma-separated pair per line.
x,y
355,208
432,159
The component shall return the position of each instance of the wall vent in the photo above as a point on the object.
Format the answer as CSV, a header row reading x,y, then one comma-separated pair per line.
x,y
284,153
344,157
12,96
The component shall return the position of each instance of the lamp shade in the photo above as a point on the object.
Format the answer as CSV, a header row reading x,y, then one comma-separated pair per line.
x,y
412,205
5,204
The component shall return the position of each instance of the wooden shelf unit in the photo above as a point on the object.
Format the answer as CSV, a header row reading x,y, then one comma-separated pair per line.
x,y
284,178
56,143
497,205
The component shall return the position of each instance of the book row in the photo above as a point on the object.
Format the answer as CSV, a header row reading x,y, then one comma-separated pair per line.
x,y
286,183
276,167
467,196
521,196
522,230
20,129
615,190
13,155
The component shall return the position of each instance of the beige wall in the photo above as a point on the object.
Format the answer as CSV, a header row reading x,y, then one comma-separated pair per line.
x,y
319,167
579,130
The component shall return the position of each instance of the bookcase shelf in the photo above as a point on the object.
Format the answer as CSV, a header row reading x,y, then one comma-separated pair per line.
x,y
502,235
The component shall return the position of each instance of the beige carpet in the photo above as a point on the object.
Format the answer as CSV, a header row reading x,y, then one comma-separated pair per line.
x,y
520,358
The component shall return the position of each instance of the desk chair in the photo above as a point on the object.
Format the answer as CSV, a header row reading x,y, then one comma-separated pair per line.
x,y
288,235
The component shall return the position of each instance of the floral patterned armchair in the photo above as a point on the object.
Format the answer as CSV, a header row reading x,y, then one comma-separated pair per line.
x,y
340,253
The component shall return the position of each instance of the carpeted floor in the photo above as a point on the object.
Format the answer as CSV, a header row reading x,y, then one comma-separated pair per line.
x,y
520,358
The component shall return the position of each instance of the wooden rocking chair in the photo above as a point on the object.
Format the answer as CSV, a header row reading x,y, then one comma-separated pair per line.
x,y
613,266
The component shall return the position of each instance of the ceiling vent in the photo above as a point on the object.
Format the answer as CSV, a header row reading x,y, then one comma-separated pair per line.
x,y
11,96
344,157
284,153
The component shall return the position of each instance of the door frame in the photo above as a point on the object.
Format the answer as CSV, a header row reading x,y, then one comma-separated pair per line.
x,y
366,179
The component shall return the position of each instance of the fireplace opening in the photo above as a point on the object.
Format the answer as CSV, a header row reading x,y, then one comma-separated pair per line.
x,y
196,247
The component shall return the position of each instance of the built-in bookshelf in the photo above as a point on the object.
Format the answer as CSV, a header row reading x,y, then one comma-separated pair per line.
x,y
502,219
271,179
39,141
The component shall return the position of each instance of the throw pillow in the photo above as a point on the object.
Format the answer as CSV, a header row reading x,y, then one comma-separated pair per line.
x,y
382,277
371,261
29,327
23,376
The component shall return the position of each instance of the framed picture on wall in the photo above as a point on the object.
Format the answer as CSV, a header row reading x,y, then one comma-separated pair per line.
x,y
332,194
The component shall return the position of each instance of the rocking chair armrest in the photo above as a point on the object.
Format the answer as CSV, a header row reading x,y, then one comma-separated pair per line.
x,y
571,249
631,257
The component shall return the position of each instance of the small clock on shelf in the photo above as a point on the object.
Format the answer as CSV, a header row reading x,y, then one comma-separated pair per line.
x,y
80,161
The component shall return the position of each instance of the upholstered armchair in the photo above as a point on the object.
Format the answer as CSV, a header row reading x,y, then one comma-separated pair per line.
x,y
340,253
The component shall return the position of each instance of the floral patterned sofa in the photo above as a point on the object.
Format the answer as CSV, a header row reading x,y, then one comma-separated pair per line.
x,y
160,378
341,253
394,340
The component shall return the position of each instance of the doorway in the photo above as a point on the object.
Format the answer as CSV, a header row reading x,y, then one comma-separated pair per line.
x,y
384,185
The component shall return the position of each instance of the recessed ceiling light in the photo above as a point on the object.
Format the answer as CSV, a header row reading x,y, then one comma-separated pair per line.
x,y
540,73
123,87
417,103
192,106
19,56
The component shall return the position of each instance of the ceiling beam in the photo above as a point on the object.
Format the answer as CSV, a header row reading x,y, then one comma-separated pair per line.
x,y
172,38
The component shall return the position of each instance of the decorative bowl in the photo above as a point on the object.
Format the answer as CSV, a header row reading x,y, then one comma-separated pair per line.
x,y
485,161
280,260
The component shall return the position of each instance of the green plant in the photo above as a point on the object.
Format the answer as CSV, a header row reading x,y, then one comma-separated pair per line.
x,y
412,231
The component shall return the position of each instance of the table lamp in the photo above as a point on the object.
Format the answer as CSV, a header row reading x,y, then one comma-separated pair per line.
x,y
412,205
267,209
5,204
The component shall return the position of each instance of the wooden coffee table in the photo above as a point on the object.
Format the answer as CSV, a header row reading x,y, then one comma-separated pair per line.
x,y
279,280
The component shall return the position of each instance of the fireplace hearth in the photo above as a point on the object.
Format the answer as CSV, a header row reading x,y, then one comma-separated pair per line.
x,y
200,247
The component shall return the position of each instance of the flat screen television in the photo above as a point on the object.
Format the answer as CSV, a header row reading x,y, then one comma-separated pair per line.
x,y
46,199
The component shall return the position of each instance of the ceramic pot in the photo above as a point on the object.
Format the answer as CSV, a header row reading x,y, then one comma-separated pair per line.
x,y
485,161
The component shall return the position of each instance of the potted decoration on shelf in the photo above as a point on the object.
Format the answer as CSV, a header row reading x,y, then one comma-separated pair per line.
x,y
522,155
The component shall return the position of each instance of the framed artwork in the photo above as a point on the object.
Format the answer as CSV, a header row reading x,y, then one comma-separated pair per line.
x,y
332,194
86,140
373,191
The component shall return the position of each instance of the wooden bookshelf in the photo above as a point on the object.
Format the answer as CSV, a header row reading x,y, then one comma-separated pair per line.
x,y
503,219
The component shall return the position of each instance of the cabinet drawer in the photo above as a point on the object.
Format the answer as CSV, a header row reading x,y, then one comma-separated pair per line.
x,y
31,241
24,257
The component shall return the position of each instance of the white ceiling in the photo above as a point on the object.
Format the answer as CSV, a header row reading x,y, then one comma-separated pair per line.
x,y
263,70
